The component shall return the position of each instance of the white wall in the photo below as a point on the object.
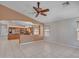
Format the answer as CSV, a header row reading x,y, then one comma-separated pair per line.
x,y
64,32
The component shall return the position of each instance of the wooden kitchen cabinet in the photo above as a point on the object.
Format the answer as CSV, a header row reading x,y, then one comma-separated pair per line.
x,y
13,36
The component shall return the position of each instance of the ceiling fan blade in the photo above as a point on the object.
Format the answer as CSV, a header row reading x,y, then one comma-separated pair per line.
x,y
35,9
38,4
43,14
45,10
37,15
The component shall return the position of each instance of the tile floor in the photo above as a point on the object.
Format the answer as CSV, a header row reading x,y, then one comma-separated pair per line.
x,y
38,49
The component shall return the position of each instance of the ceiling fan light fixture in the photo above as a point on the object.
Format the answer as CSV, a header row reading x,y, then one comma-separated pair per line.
x,y
39,10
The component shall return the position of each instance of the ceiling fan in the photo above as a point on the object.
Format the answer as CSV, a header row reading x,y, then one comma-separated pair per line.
x,y
66,3
39,10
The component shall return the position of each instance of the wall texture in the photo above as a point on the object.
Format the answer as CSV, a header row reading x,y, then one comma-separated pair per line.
x,y
64,32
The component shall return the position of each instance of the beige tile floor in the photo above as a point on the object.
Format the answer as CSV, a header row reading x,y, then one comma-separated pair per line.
x,y
38,49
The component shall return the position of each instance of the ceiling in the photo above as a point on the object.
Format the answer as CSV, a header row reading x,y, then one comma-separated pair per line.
x,y
57,10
